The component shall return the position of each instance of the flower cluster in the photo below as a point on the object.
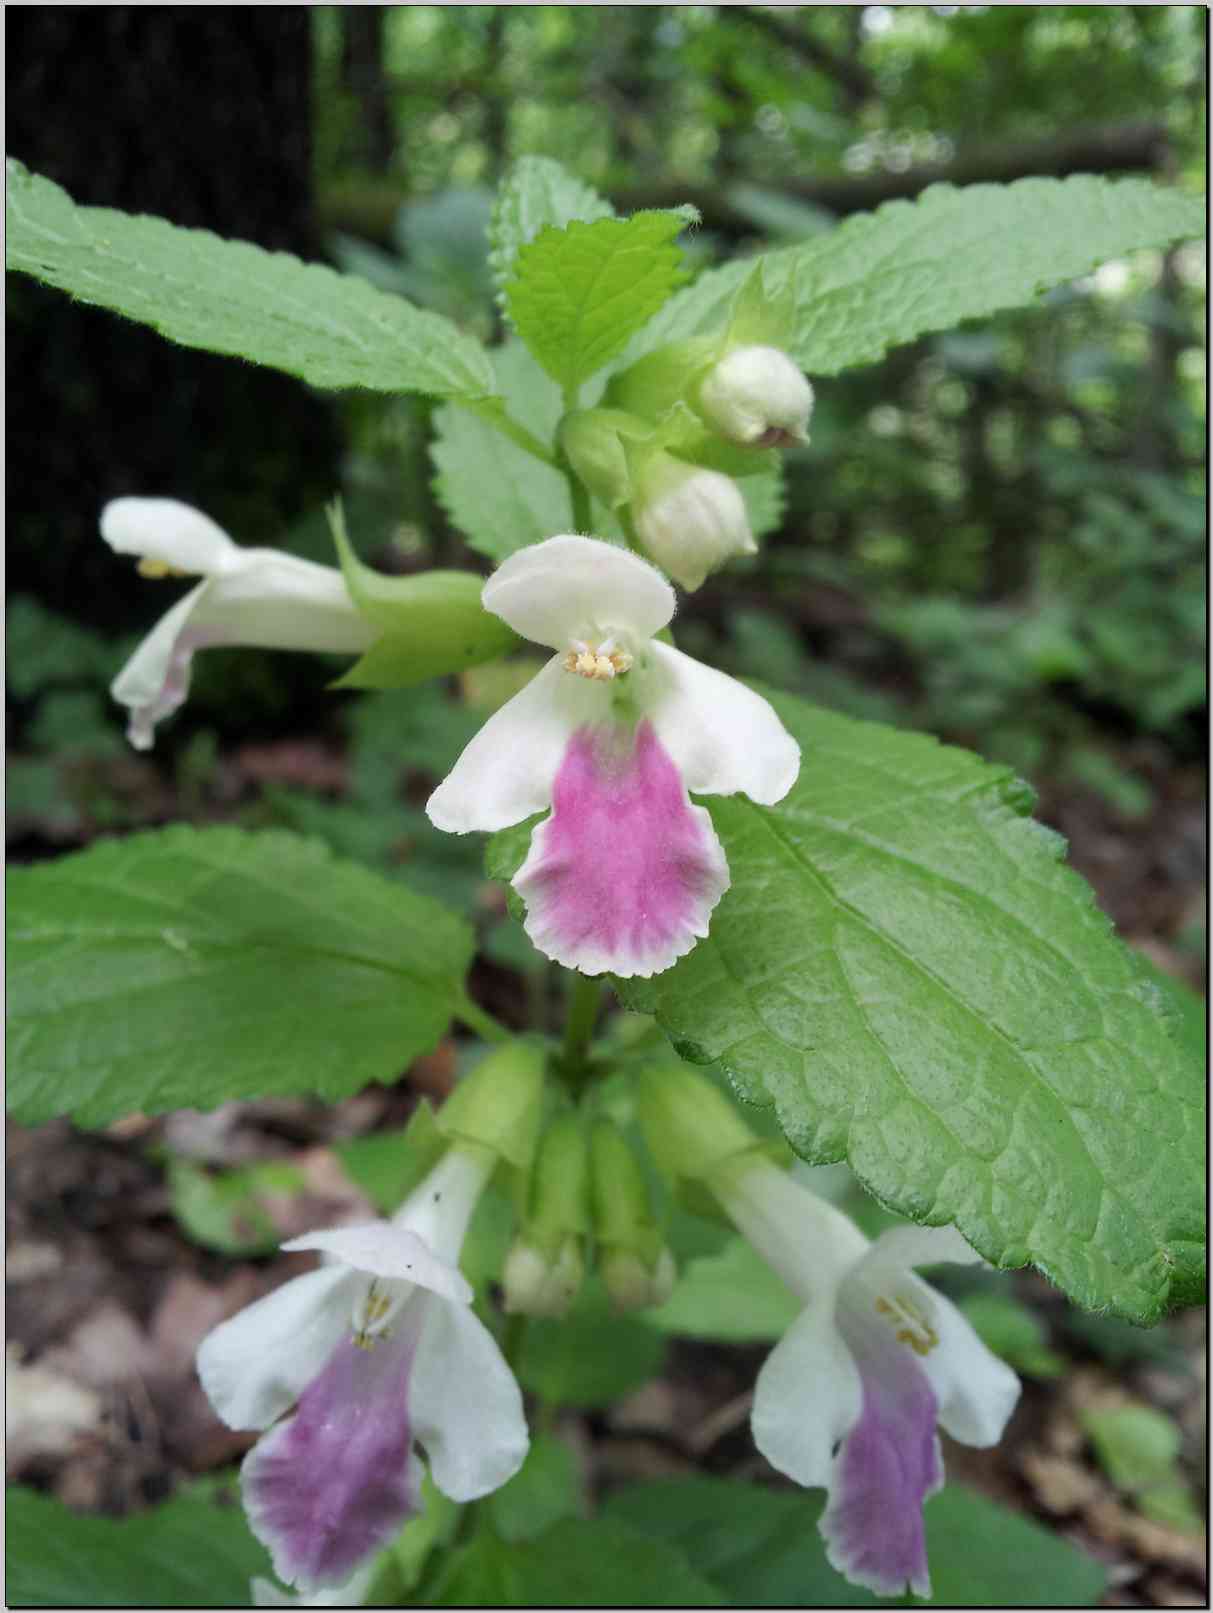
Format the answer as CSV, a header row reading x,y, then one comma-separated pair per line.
x,y
351,1371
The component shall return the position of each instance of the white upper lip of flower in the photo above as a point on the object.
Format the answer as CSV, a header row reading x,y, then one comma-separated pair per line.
x,y
256,597
568,590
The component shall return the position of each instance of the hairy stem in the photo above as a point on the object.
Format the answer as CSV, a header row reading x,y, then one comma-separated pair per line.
x,y
481,1021
493,410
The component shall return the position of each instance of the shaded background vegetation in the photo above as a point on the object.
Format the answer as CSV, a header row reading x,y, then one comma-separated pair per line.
x,y
996,534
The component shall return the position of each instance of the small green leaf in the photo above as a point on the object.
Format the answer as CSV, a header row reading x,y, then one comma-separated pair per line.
x,y
545,1489
229,1210
537,192
1138,1448
574,1564
1013,1331
190,966
762,1548
191,1552
880,279
904,967
591,1357
732,1296
580,292
329,329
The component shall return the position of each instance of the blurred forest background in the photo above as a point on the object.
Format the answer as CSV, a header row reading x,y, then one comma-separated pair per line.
x,y
996,534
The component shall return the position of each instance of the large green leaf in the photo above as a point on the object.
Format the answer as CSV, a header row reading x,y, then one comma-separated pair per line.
x,y
190,1552
573,1564
883,278
189,966
906,969
537,192
580,292
762,1547
331,330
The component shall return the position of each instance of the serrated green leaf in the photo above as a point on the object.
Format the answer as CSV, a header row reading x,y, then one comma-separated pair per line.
x,y
191,966
762,1548
906,970
500,497
190,1552
732,1296
537,192
580,292
573,1564
956,253
329,329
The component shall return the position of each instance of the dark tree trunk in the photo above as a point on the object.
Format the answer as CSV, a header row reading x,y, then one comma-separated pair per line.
x,y
362,69
201,115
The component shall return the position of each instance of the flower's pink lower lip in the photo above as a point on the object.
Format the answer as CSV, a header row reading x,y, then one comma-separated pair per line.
x,y
887,1466
625,873
335,1481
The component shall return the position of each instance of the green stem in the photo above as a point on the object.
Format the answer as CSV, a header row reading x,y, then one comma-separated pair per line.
x,y
493,410
585,995
481,1021
583,518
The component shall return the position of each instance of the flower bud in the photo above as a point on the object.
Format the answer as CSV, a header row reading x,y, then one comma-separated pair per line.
x,y
632,1284
634,1262
690,520
497,1105
691,1128
757,396
545,1265
539,1286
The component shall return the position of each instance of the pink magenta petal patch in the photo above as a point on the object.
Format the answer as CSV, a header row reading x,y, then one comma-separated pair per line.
x,y
624,874
337,1480
887,1466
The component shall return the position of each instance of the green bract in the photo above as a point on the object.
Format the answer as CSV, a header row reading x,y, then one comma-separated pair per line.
x,y
433,623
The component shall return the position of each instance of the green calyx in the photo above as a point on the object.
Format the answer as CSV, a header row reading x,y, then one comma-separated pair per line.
x,y
546,1263
636,1266
432,624
692,1129
597,444
498,1104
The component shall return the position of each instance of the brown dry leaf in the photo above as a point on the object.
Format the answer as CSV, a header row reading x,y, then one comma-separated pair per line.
x,y
45,1412
107,1347
187,1312
1059,1484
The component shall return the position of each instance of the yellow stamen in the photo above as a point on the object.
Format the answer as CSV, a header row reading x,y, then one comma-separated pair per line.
x,y
912,1326
156,569
592,662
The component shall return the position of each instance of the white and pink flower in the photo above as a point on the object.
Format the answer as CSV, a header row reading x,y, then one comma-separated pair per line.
x,y
375,1352
851,1395
257,597
624,873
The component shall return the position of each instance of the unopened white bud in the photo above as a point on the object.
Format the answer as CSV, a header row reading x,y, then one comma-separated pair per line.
x,y
690,520
757,396
537,1286
632,1284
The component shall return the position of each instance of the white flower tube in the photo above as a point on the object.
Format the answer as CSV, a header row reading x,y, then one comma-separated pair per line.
x,y
611,735
851,1395
257,597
